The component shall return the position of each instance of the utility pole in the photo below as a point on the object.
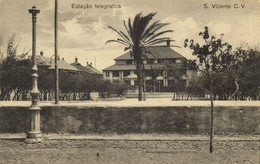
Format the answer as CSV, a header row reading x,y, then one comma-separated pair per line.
x,y
56,54
34,136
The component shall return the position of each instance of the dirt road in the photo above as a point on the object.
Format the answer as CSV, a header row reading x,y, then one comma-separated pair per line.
x,y
128,151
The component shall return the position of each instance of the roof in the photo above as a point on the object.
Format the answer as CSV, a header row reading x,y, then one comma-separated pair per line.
x,y
43,61
94,70
63,65
88,69
156,52
49,62
124,67
80,67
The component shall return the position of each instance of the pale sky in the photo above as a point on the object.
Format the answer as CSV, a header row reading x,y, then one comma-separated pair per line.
x,y
83,32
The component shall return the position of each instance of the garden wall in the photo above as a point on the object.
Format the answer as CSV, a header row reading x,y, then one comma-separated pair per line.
x,y
124,120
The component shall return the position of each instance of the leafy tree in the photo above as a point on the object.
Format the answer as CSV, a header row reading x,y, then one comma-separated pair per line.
x,y
69,83
138,35
176,72
240,79
91,83
12,46
15,79
193,87
13,73
104,86
46,82
213,56
13,70
119,89
153,73
246,72
78,85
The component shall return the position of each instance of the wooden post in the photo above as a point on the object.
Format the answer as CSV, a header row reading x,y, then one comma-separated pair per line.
x,y
56,54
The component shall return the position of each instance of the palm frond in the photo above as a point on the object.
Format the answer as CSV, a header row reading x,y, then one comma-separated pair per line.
x,y
122,36
128,48
128,30
155,40
140,33
135,26
129,40
117,41
158,34
155,29
123,41
148,30
143,23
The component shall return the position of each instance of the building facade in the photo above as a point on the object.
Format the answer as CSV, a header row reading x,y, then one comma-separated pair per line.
x,y
75,67
157,64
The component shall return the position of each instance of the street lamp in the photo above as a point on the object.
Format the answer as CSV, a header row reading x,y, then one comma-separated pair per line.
x,y
35,134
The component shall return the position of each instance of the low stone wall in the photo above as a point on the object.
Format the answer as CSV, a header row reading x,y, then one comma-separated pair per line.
x,y
124,120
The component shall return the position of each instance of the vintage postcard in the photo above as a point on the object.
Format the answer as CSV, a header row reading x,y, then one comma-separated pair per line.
x,y
129,81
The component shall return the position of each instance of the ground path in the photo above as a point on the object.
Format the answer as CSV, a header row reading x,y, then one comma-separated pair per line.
x,y
150,148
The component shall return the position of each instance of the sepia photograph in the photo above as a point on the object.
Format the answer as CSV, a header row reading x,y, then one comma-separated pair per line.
x,y
130,81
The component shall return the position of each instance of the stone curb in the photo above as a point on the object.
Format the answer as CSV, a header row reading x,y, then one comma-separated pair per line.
x,y
133,137
132,103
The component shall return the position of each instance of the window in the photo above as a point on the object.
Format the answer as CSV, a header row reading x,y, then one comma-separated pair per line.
x,y
150,61
120,62
171,60
126,73
115,73
107,74
162,61
128,61
178,61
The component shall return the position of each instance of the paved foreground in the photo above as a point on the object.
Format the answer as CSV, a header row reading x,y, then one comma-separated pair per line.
x,y
113,151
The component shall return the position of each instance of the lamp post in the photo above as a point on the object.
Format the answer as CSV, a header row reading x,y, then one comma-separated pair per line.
x,y
35,134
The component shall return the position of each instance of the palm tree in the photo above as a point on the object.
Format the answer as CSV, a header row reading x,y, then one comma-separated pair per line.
x,y
140,34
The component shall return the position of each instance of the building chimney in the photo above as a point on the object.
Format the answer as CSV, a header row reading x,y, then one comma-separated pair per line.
x,y
76,59
90,64
168,42
41,53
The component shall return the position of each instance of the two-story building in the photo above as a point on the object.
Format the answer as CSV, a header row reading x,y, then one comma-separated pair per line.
x,y
158,57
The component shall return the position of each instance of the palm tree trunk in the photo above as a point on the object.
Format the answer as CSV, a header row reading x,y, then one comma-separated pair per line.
x,y
139,79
